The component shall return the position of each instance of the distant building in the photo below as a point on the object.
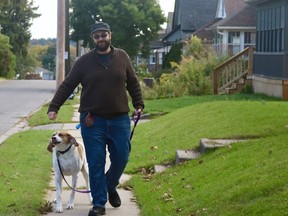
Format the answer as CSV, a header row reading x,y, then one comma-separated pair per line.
x,y
44,73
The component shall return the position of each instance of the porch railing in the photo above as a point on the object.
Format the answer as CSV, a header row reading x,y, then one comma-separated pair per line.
x,y
239,66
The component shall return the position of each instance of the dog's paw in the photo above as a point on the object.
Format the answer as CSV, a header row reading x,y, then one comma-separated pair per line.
x,y
59,210
70,206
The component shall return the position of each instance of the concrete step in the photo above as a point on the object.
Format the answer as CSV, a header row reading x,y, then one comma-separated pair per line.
x,y
206,144
184,155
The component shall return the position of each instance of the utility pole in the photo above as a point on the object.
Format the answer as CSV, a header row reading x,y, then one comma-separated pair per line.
x,y
67,40
60,54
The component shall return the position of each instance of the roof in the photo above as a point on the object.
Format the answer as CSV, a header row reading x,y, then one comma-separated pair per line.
x,y
157,43
40,69
244,18
233,6
193,14
257,1
203,34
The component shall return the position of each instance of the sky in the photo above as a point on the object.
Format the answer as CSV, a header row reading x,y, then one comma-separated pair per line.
x,y
45,26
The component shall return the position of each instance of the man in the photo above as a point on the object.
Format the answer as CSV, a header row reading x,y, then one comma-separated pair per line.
x,y
105,73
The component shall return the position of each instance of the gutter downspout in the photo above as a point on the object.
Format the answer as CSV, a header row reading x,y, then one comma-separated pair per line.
x,y
223,35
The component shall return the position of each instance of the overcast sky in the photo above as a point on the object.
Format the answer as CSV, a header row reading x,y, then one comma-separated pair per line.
x,y
45,26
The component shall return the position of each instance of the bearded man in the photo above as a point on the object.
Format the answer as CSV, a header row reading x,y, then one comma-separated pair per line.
x,y
105,74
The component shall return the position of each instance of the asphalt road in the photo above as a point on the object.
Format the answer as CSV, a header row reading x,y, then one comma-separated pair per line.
x,y
20,98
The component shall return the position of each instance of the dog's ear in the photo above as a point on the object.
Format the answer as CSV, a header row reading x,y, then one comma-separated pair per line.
x,y
50,147
73,141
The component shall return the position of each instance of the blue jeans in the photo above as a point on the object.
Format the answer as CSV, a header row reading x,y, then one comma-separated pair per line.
x,y
115,134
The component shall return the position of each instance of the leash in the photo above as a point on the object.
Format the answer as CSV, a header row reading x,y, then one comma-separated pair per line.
x,y
135,123
79,191
135,120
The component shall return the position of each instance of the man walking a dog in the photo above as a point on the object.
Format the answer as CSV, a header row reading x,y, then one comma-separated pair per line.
x,y
106,74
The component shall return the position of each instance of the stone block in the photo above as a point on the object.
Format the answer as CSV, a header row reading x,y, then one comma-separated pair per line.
x,y
185,155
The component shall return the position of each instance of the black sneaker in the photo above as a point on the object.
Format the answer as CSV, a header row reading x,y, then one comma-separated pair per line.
x,y
114,199
97,211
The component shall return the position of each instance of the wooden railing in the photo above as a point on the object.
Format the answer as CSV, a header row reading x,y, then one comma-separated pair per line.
x,y
231,71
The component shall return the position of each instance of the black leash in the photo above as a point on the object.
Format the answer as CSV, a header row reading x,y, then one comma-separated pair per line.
x,y
135,123
79,191
86,191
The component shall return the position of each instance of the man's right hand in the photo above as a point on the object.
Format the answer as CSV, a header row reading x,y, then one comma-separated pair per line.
x,y
52,115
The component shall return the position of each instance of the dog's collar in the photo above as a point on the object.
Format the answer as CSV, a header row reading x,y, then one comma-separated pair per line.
x,y
63,152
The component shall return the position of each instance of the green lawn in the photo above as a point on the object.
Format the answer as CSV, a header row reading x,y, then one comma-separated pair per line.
x,y
25,173
247,179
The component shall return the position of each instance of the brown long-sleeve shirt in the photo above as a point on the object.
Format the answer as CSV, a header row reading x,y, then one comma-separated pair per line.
x,y
103,85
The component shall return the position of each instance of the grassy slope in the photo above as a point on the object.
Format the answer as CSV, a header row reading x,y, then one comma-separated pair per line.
x,y
183,128
248,179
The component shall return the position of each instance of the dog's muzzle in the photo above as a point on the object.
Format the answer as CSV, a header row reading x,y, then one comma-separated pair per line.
x,y
55,141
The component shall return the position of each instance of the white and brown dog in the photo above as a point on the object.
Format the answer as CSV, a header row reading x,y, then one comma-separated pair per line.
x,y
72,159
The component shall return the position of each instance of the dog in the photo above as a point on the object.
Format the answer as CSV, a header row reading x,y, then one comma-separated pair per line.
x,y
70,156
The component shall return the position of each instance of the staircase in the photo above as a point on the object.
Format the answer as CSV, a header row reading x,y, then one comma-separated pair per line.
x,y
205,145
232,76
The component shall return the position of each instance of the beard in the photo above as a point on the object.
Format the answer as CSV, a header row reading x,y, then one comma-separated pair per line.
x,y
103,45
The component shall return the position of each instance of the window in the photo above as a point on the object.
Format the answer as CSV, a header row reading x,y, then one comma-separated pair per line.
x,y
249,38
234,42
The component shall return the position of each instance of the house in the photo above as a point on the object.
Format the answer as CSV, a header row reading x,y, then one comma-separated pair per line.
x,y
189,16
229,25
235,32
155,60
270,71
44,73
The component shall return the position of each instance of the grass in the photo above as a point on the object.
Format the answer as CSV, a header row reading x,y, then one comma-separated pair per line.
x,y
183,128
24,173
65,114
171,104
248,179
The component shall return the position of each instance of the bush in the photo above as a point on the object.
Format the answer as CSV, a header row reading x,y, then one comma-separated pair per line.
x,y
174,55
7,58
192,76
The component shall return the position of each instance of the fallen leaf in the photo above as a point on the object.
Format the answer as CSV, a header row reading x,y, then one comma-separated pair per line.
x,y
154,147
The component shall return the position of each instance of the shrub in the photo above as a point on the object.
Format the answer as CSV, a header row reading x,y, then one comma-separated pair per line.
x,y
174,55
7,58
192,75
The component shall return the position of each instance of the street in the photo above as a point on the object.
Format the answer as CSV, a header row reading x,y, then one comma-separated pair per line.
x,y
19,98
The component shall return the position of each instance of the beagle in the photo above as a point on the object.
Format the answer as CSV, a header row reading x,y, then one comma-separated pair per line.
x,y
70,156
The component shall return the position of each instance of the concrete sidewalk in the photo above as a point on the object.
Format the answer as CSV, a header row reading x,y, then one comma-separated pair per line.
x,y
82,205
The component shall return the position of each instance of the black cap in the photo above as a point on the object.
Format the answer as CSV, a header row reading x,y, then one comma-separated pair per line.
x,y
100,26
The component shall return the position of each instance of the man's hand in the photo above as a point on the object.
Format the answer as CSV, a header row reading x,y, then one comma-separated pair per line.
x,y
52,115
137,112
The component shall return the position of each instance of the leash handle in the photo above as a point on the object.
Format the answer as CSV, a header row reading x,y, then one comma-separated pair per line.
x,y
79,191
135,123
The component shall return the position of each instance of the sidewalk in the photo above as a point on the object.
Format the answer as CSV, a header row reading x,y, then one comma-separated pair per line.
x,y
82,205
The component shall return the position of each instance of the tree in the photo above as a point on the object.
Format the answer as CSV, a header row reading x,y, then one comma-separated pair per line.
x,y
15,21
174,55
135,22
7,58
48,59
